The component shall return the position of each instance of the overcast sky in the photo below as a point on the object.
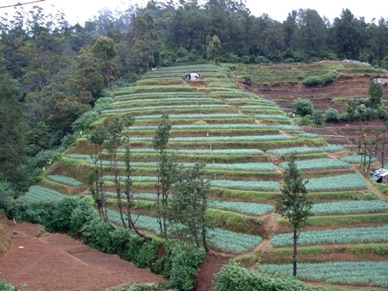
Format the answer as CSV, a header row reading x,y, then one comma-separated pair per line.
x,y
81,10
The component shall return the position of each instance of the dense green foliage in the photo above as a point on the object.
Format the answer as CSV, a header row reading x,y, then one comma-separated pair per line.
x,y
235,277
294,203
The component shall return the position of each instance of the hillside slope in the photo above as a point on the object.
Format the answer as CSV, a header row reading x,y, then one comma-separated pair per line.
x,y
244,139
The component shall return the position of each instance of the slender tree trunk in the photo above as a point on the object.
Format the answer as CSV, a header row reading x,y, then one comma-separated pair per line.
x,y
204,237
382,151
295,253
117,185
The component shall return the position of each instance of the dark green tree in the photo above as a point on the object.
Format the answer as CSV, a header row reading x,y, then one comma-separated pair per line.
x,y
12,140
294,204
105,50
98,137
347,34
214,48
376,93
303,107
311,35
189,205
144,46
166,172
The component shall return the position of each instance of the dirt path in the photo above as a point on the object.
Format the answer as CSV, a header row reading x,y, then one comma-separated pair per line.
x,y
46,261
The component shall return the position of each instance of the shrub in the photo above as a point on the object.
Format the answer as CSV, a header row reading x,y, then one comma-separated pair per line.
x,y
303,107
234,277
185,261
332,115
329,77
323,80
313,81
4,286
96,233
85,120
82,213
63,209
318,117
147,254
7,203
306,120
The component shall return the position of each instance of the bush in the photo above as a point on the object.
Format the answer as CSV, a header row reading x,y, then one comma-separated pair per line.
x,y
185,260
120,238
7,203
62,210
147,254
36,213
307,120
234,277
96,233
320,81
85,120
313,81
318,117
303,107
332,115
4,286
81,214
329,77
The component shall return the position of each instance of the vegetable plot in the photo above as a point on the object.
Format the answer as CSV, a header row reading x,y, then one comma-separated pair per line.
x,y
341,182
363,273
336,236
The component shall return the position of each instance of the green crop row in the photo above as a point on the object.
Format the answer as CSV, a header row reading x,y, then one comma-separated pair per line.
x,y
38,194
318,164
269,107
252,99
271,116
351,273
221,84
158,95
253,167
340,182
248,208
197,116
357,159
336,236
247,185
165,101
231,93
65,180
305,150
222,138
221,126
223,240
349,207
155,108
200,152
159,81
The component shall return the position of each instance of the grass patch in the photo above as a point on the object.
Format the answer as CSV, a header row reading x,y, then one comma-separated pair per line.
x,y
235,222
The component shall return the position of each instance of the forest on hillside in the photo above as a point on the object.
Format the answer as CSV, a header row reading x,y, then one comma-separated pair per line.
x,y
51,72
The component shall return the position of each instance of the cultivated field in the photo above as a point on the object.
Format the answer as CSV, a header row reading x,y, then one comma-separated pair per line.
x,y
244,139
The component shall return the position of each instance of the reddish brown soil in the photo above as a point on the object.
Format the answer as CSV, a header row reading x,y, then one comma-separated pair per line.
x,y
46,261
323,98
210,267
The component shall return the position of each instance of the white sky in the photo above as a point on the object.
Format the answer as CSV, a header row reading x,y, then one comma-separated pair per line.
x,y
81,10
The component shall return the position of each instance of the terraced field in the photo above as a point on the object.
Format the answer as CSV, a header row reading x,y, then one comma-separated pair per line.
x,y
244,140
